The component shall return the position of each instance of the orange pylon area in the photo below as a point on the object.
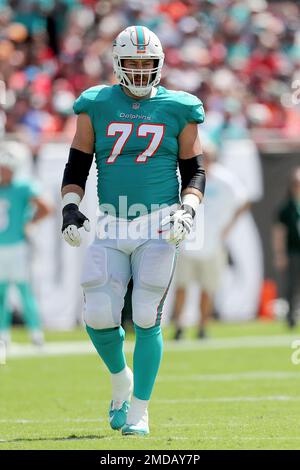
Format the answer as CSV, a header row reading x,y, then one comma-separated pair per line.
x,y
267,297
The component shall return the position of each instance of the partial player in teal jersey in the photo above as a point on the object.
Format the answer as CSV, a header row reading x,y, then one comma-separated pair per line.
x,y
143,136
20,206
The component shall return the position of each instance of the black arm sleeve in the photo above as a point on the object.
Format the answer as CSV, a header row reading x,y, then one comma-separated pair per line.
x,y
192,173
77,168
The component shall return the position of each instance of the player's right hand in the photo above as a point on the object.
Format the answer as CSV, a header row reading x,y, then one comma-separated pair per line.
x,y
73,219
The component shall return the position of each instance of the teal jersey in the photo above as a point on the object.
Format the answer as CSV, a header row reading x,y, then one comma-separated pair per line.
x,y
136,145
15,210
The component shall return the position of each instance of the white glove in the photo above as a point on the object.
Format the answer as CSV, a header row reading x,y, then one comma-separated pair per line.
x,y
73,219
176,226
72,236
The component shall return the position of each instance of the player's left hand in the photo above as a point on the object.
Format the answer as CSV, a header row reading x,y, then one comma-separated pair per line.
x,y
177,225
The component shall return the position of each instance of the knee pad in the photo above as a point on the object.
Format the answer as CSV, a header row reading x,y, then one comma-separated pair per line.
x,y
97,311
103,305
144,320
103,292
146,306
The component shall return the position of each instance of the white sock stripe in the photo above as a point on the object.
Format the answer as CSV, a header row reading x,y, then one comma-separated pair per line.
x,y
61,348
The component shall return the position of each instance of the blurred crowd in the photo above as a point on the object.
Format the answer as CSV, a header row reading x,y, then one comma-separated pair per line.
x,y
242,58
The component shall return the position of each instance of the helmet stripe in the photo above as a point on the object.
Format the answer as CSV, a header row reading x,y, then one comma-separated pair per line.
x,y
140,39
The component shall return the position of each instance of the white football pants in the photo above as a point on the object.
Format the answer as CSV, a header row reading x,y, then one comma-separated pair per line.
x,y
125,249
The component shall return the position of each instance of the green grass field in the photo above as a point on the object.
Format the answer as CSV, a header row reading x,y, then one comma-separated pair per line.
x,y
238,390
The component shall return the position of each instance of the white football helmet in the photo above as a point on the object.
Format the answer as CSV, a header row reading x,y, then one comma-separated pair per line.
x,y
8,160
137,42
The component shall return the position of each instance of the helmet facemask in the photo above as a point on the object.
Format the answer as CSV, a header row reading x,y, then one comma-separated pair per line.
x,y
138,81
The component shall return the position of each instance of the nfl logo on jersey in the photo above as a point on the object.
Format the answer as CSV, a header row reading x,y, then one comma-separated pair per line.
x,y
136,105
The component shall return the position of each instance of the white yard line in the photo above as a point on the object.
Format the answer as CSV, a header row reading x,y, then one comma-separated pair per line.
x,y
230,399
62,348
257,375
241,342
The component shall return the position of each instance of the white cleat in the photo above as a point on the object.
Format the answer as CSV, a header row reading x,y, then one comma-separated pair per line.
x,y
137,427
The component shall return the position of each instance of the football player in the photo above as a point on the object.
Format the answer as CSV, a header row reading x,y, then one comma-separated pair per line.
x,y
20,206
141,133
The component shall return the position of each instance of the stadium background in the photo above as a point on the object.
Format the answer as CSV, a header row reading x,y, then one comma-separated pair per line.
x,y
239,389
241,58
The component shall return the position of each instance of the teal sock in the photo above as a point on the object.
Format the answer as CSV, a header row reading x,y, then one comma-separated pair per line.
x,y
109,345
30,309
146,360
5,314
